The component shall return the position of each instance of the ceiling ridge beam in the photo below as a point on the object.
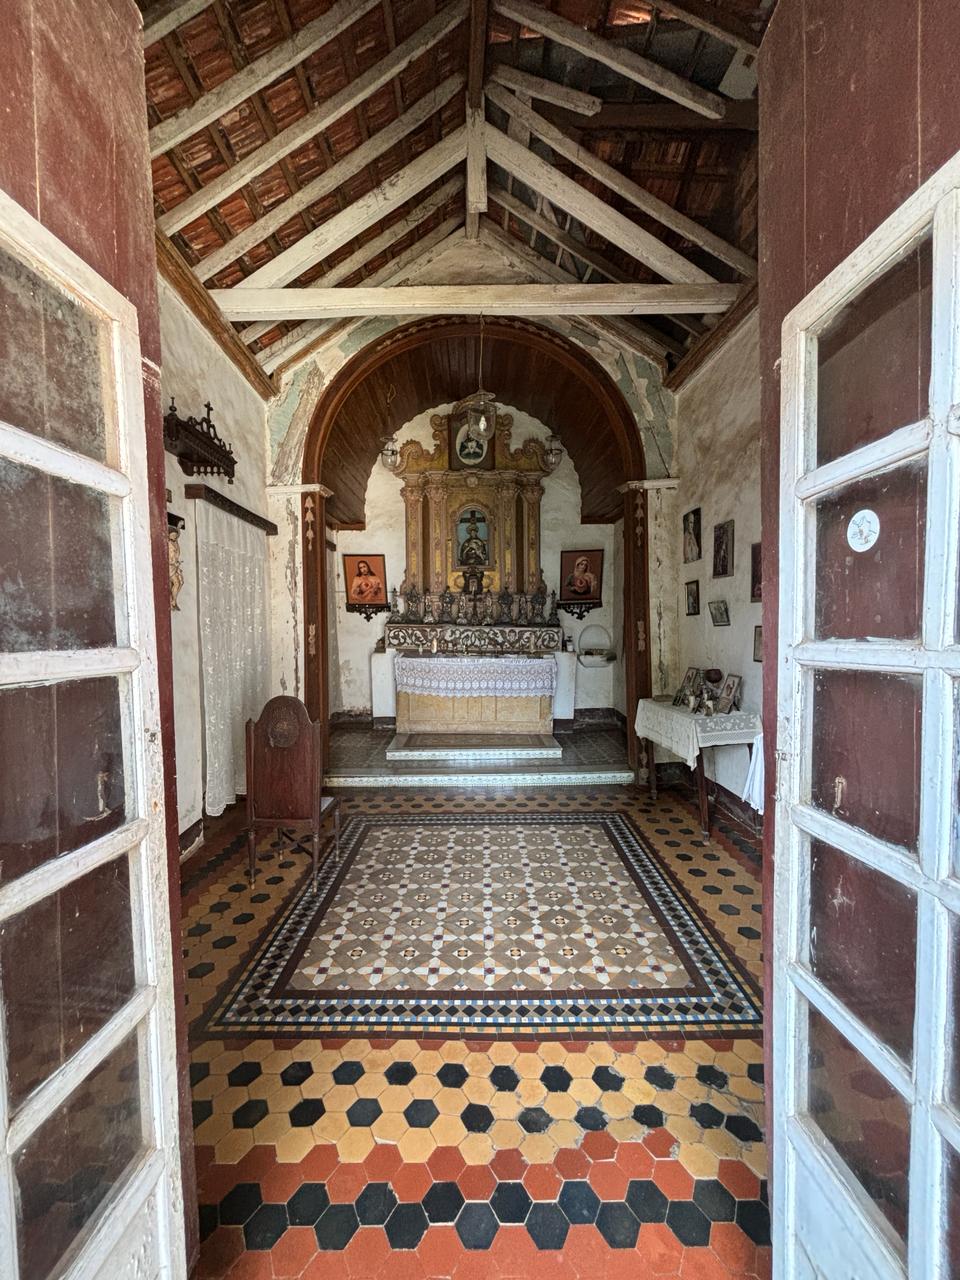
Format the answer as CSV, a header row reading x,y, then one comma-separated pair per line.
x,y
315,121
373,248
560,95
357,217
590,210
718,23
476,167
406,266
282,58
473,299
624,61
328,181
166,15
638,196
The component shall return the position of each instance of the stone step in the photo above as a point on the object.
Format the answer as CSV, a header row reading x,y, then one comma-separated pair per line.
x,y
487,748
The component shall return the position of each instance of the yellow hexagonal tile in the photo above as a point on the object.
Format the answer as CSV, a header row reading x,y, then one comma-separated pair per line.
x,y
628,1130
396,1097
450,1102
531,1092
748,1050
562,1106
317,1086
417,1145
355,1145
690,1087
453,1051
271,1129
723,1143
601,1053
478,1089
755,1158
506,1134
616,1106
476,1148
631,1066
585,1092
331,1127
424,1086
448,1130
390,1127
685,1129
377,1060
215,1128
565,1134
233,1146
528,1065
428,1061
327,1060
294,1146
505,1105
580,1066
357,1050
551,1053
672,1103
539,1148
639,1091
698,1159
478,1064
225,1061
730,1063
232,1097
340,1097
502,1053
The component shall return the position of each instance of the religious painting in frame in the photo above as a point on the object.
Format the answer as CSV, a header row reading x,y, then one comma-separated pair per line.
x,y
723,549
692,544
473,539
729,694
719,613
365,584
692,592
758,644
581,581
756,573
467,450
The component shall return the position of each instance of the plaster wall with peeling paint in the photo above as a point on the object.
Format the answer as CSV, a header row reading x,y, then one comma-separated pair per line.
x,y
718,461
194,370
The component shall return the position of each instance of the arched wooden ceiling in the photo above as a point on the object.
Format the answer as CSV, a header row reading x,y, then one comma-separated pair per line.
x,y
436,362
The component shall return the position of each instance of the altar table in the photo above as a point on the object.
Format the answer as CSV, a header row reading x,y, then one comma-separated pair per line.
x,y
685,734
463,694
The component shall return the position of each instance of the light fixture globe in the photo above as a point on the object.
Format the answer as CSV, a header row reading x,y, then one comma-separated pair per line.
x,y
553,452
389,453
481,411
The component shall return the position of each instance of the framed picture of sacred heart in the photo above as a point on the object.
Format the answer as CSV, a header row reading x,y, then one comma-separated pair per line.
x,y
365,583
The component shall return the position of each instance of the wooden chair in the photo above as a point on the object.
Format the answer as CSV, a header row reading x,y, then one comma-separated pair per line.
x,y
285,777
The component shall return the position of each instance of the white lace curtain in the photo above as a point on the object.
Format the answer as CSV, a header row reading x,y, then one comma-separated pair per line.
x,y
231,561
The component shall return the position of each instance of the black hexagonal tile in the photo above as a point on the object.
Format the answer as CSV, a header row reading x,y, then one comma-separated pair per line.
x,y
348,1072
240,1203
375,1203
307,1203
591,1118
755,1072
743,1127
557,1079
579,1203
296,1073
505,1079
420,1113
400,1072
617,1225
249,1114
202,1110
688,1223
200,970
209,1220
608,1080
706,1115
712,1076
265,1227
476,1117
651,1116
534,1120
453,1075
307,1112
221,944
406,1225
752,1217
660,1077
476,1225
646,1201
510,1202
364,1112
244,1073
714,1199
547,1226
336,1226
199,1071
443,1202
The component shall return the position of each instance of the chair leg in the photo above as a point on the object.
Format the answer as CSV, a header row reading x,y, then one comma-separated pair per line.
x,y
336,834
252,849
316,857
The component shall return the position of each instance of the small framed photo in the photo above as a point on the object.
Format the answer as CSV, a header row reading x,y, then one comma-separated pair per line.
x,y
719,613
365,582
690,688
729,694
692,545
758,644
693,598
581,581
723,550
756,573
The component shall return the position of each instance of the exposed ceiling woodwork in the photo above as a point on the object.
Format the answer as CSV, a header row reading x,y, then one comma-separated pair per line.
x,y
297,141
437,362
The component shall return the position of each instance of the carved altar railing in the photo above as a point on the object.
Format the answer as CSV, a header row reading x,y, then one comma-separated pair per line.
x,y
454,638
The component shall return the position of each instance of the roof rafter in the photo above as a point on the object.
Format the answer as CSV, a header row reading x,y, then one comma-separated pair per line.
x,y
585,159
624,61
715,22
560,95
315,121
166,15
331,179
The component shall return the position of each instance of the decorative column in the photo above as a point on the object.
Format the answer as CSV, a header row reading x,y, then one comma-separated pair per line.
x,y
434,575
532,493
506,520
414,574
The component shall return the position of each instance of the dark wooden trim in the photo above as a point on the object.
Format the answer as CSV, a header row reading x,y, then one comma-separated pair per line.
x,y
636,120
708,345
203,493
192,293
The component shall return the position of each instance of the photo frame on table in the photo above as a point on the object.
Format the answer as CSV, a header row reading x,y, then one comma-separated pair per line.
x,y
758,644
729,694
719,613
365,584
756,573
690,687
723,549
692,590
692,543
581,581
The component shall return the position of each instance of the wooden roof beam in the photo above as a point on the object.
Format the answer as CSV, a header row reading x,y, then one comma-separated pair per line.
x,y
474,300
638,196
356,218
590,210
563,239
331,179
716,22
637,119
560,95
477,52
315,121
476,167
624,61
166,15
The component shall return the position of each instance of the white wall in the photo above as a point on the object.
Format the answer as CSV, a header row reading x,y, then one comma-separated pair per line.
x,y
195,370
560,529
718,462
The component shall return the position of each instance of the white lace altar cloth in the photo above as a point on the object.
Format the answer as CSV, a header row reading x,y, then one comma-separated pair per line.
x,y
685,734
466,677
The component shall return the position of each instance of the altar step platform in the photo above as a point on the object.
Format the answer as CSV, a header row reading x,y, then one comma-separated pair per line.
x,y
381,758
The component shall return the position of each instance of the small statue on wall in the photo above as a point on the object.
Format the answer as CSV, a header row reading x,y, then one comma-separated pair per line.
x,y
175,525
474,546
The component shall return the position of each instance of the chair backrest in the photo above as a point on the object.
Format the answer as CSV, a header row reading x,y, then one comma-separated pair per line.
x,y
284,762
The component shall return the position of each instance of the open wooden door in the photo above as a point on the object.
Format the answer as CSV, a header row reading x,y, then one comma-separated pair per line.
x,y
866,1098
89,1165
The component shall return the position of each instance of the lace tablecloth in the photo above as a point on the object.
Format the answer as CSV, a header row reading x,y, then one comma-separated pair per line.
x,y
685,734
510,677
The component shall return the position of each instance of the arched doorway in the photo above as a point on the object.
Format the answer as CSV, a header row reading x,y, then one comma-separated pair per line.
x,y
427,363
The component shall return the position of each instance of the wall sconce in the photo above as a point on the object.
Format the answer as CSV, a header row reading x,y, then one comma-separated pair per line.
x,y
553,452
389,453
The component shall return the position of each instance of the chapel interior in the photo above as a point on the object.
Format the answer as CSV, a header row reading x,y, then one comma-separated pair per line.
x,y
435,660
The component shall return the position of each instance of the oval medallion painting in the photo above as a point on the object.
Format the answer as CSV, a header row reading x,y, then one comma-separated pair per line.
x,y
470,446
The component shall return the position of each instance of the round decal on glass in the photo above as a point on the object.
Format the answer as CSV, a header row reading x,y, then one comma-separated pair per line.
x,y
863,530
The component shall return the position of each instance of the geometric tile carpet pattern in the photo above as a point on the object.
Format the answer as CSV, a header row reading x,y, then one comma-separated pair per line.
x,y
475,1155
519,923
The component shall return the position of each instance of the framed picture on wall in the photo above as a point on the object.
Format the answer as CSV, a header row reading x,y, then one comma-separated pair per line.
x,y
758,644
719,613
729,694
365,584
723,549
692,546
692,590
756,573
581,581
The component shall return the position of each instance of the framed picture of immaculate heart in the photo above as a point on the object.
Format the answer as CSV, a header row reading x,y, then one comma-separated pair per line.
x,y
365,584
581,581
